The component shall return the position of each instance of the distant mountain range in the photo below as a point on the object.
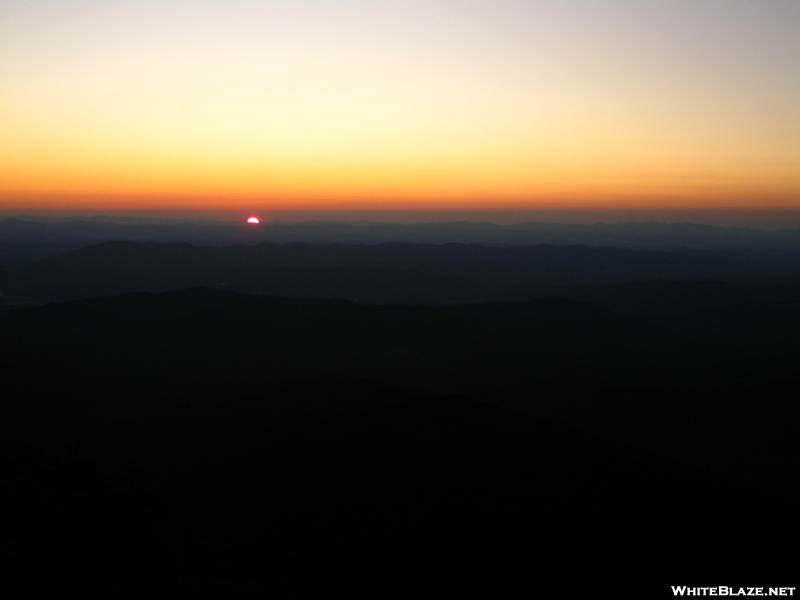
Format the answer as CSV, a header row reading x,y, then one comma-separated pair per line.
x,y
637,282
25,230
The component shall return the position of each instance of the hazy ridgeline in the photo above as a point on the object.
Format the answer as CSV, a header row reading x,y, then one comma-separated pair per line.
x,y
285,419
377,263
24,231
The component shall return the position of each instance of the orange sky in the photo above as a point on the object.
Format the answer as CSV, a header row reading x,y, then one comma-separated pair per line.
x,y
422,105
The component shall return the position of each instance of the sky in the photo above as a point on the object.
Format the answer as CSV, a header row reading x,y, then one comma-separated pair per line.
x,y
359,105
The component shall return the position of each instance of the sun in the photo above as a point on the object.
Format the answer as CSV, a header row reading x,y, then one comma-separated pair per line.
x,y
253,220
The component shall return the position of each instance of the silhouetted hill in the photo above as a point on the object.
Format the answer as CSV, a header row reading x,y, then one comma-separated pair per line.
x,y
315,337
661,298
190,321
667,387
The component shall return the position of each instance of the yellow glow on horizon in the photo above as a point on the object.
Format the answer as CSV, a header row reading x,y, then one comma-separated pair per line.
x,y
210,110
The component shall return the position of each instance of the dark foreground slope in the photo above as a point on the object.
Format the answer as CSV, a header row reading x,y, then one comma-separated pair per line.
x,y
210,444
445,495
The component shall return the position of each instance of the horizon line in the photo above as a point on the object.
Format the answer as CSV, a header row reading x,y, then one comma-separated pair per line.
x,y
765,218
